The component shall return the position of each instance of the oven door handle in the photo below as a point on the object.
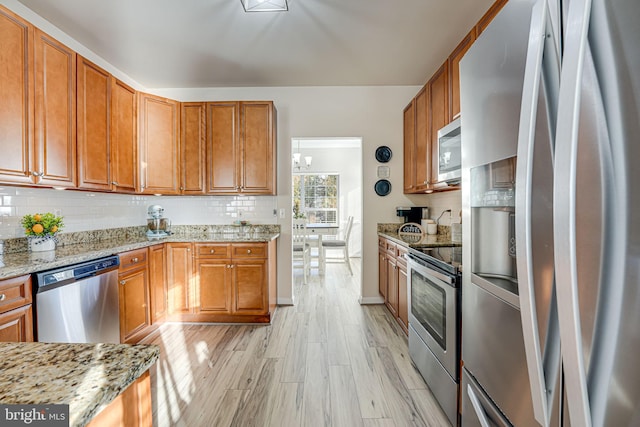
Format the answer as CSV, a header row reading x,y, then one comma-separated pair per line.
x,y
477,407
426,271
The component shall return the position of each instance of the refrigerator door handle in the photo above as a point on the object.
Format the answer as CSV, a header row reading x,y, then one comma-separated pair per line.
x,y
541,399
477,407
564,215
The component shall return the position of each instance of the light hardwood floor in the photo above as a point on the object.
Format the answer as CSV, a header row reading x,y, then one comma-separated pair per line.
x,y
327,361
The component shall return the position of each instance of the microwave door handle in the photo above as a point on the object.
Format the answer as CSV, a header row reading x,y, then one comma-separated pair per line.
x,y
541,398
564,211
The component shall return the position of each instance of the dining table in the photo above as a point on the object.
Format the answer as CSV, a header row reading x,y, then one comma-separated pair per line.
x,y
320,230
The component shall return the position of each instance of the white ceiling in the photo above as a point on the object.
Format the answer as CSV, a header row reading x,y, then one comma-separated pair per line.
x,y
214,43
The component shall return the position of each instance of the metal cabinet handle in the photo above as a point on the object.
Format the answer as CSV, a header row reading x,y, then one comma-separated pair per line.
x,y
213,251
114,183
34,173
248,251
134,260
123,282
3,297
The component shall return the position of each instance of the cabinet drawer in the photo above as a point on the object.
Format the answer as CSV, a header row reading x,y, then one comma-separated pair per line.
x,y
15,293
400,252
249,250
213,250
382,243
133,259
391,248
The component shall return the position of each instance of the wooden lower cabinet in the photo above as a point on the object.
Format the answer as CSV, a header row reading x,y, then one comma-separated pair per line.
x,y
16,318
250,287
157,283
392,280
179,274
131,408
133,280
213,283
17,325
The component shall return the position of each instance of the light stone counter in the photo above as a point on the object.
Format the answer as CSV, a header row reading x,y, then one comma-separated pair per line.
x,y
19,263
87,377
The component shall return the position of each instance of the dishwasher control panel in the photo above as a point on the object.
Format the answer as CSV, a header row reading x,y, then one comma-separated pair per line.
x,y
76,272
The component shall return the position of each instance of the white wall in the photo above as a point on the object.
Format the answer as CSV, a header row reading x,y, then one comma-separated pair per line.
x,y
373,113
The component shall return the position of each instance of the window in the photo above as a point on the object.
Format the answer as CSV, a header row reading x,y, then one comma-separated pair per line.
x,y
315,197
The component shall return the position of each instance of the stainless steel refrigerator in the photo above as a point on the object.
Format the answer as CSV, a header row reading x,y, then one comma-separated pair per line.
x,y
550,109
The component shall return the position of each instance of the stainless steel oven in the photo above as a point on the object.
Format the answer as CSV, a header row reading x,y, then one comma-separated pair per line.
x,y
434,326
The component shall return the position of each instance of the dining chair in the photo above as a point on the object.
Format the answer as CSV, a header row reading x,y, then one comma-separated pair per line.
x,y
342,244
301,248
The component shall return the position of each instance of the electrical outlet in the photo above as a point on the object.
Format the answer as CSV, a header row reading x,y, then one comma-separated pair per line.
x,y
283,213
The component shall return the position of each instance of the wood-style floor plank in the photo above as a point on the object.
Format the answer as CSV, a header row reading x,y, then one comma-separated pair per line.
x,y
326,362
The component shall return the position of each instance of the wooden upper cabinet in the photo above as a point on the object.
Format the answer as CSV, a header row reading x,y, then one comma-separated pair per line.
x,y
222,146
192,147
438,116
55,112
159,145
454,73
16,99
408,146
93,138
422,146
241,138
258,154
124,142
486,19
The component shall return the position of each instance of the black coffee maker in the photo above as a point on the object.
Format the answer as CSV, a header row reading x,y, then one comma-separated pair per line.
x,y
412,213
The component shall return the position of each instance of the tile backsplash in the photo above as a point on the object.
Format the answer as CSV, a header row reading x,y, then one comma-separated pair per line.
x,y
83,211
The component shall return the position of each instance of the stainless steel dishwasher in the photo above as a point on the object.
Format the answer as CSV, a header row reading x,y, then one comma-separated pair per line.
x,y
79,303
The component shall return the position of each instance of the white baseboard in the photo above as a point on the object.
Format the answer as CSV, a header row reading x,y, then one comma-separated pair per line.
x,y
286,301
370,300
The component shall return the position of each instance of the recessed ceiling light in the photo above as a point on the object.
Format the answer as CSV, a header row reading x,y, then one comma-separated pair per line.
x,y
265,5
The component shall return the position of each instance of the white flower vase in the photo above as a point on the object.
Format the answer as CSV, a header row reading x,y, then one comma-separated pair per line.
x,y
42,244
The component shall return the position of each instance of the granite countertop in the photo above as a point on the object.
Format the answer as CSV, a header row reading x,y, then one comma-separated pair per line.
x,y
86,377
17,264
426,241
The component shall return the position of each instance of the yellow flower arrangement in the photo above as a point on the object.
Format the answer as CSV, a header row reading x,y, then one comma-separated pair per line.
x,y
42,225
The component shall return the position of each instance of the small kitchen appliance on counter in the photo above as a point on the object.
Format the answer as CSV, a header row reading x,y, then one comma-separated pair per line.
x,y
157,225
412,213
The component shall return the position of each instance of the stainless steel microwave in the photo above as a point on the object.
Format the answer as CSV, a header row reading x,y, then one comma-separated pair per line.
x,y
449,153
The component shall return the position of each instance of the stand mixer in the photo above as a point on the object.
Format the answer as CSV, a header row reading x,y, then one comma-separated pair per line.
x,y
157,225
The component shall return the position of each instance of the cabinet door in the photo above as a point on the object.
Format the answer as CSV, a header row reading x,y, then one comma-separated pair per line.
x,y
55,112
403,309
222,147
16,95
17,325
179,273
382,273
134,303
157,283
124,141
214,286
454,73
250,287
192,147
257,151
422,166
408,145
159,147
93,109
392,285
438,117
